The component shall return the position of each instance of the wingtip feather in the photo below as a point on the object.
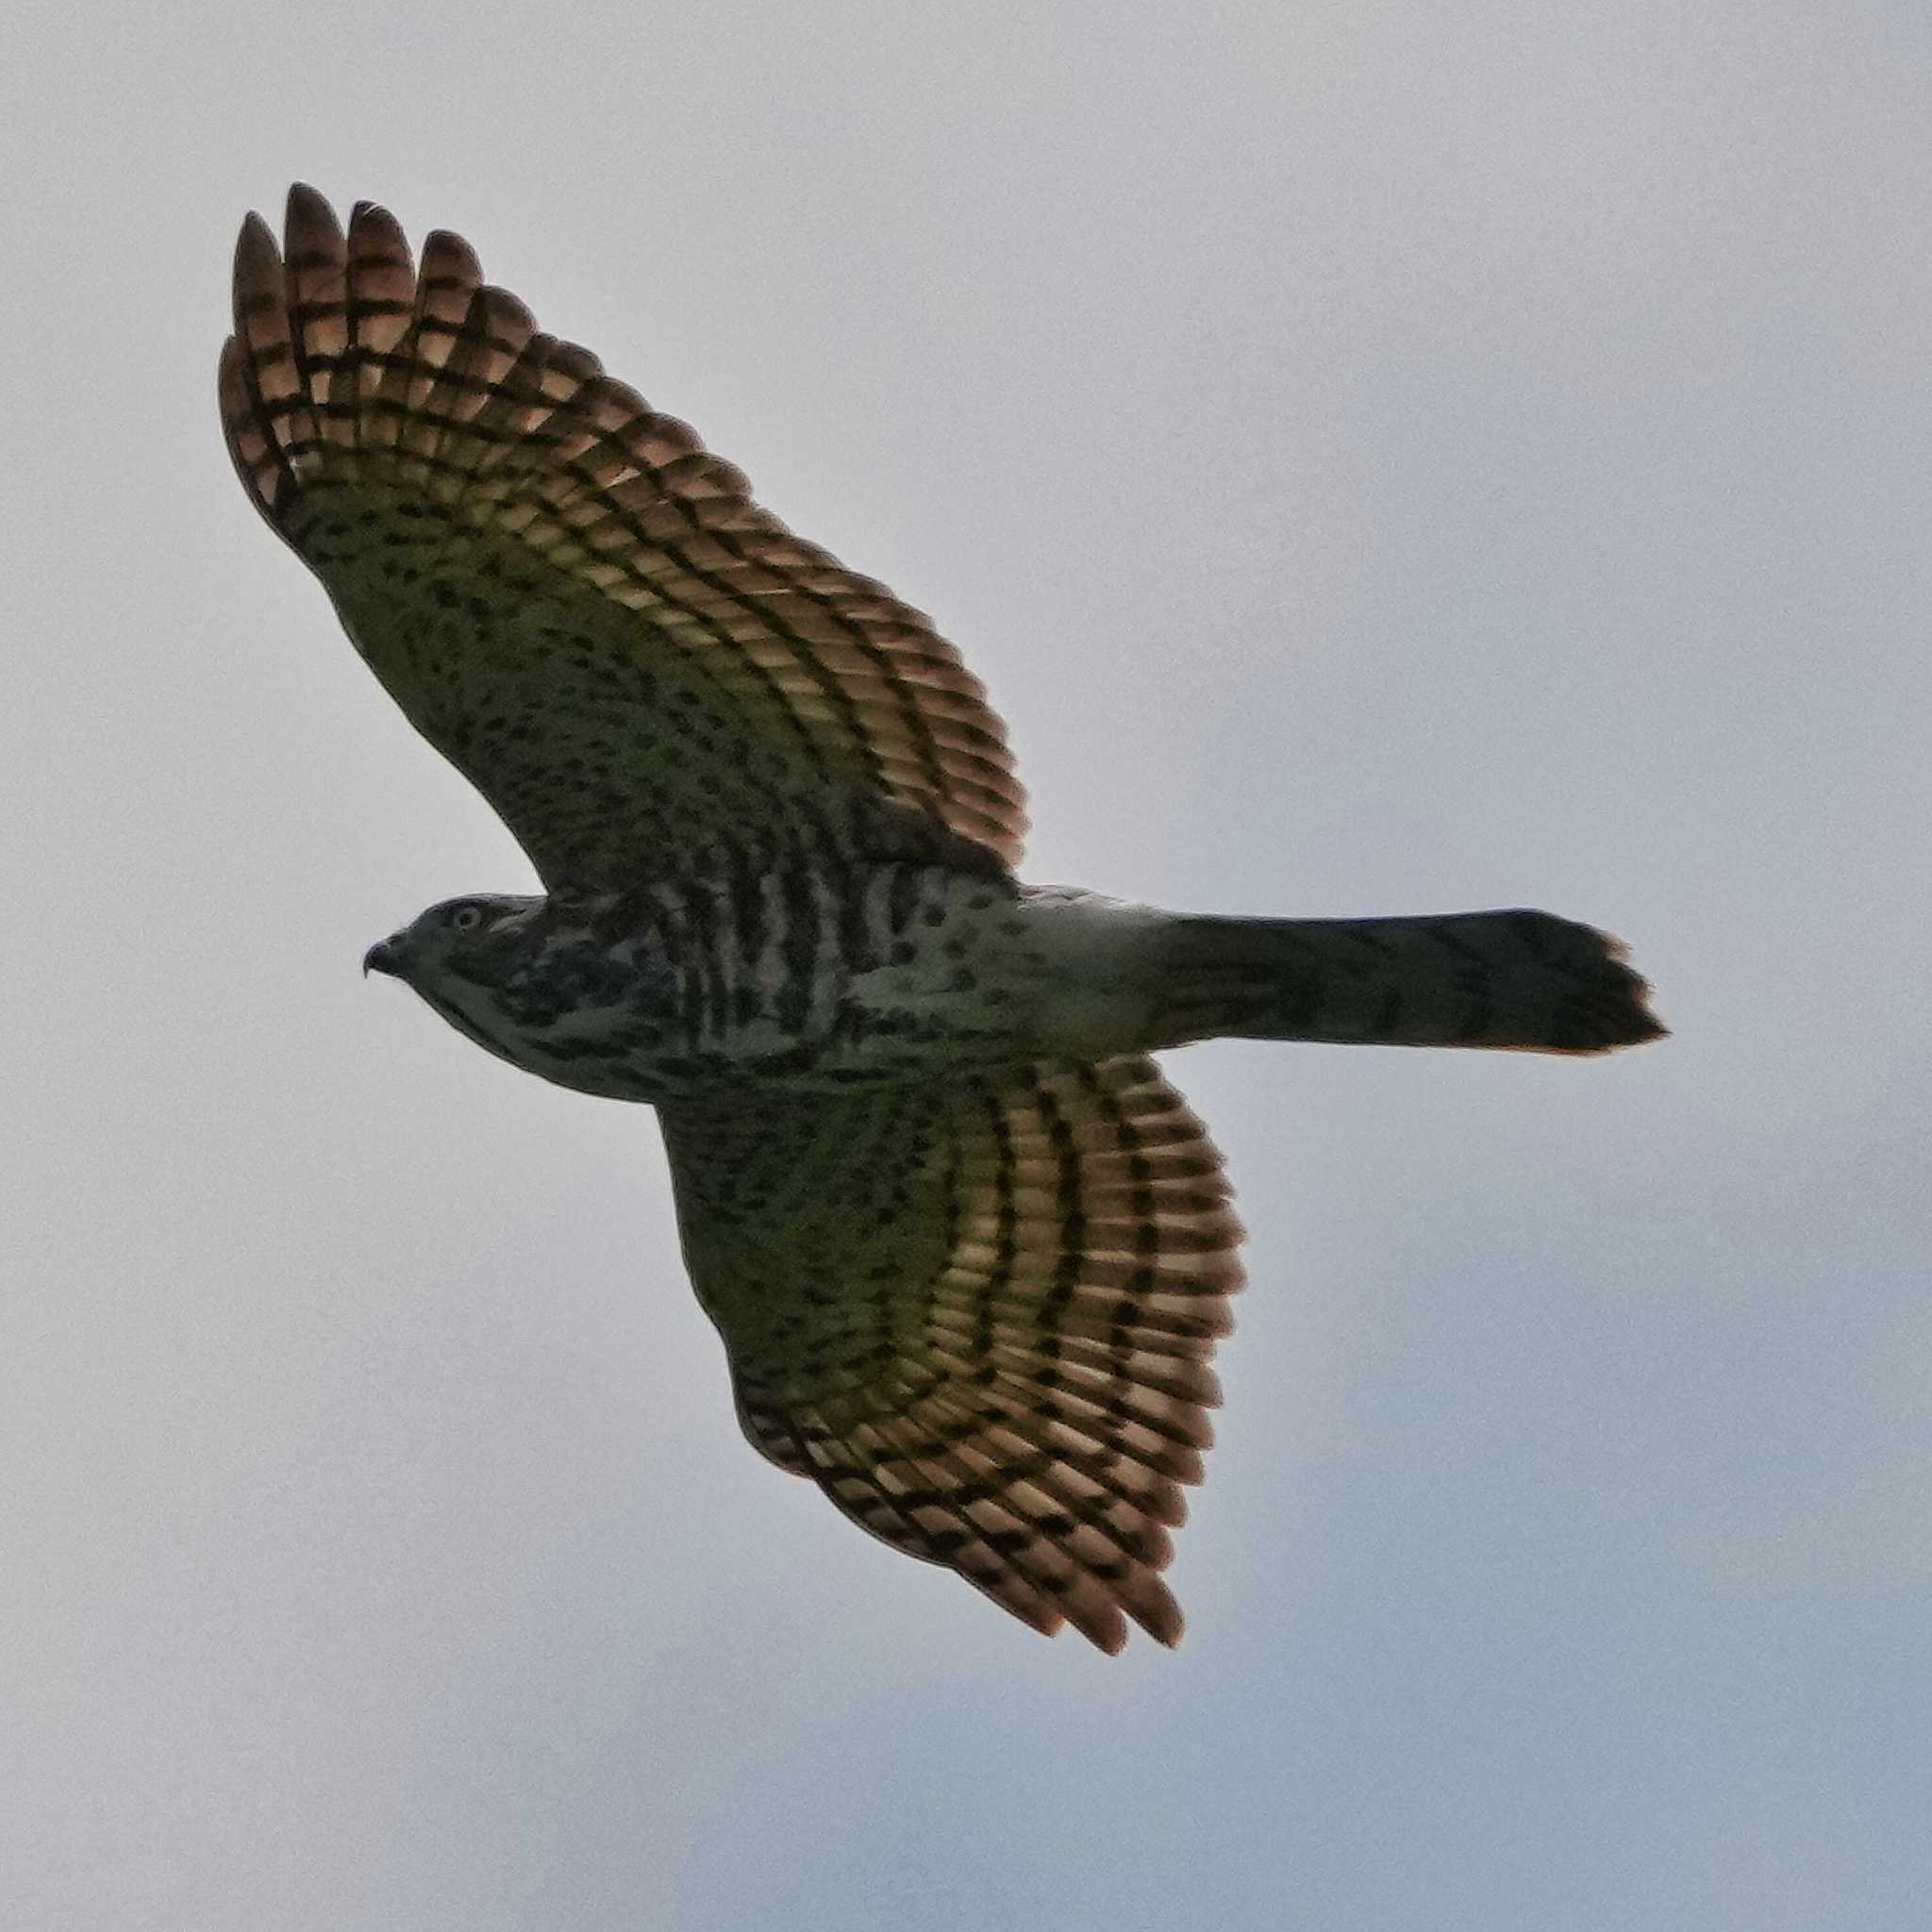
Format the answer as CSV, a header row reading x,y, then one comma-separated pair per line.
x,y
258,270
310,225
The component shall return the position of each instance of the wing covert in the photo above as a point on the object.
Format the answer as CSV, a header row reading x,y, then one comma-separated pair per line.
x,y
978,1316
571,598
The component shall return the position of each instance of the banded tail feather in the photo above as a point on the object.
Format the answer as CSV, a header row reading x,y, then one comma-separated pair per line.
x,y
1518,981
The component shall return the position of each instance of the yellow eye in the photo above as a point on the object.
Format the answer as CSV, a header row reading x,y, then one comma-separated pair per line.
x,y
466,918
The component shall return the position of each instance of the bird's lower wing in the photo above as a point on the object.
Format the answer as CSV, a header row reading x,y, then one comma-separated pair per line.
x,y
979,1316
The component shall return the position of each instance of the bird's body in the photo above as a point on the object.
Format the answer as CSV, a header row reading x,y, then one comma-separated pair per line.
x,y
816,974
969,1252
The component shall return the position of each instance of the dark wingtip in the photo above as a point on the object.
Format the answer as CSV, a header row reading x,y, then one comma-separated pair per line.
x,y
304,204
256,252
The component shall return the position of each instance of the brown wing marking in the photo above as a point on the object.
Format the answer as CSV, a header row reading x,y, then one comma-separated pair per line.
x,y
517,540
981,1319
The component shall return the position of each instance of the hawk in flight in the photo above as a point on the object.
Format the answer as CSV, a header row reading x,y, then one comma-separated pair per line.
x,y
968,1251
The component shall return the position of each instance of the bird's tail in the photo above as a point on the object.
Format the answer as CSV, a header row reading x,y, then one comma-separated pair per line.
x,y
1523,980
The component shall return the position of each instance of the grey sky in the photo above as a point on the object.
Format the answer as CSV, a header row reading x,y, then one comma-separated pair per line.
x,y
1383,457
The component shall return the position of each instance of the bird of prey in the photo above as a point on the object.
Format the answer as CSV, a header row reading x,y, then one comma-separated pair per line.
x,y
968,1251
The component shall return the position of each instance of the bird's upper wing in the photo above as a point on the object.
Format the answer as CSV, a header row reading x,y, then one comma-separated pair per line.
x,y
978,1315
572,599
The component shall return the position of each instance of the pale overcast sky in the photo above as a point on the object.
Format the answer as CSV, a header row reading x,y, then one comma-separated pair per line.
x,y
1383,457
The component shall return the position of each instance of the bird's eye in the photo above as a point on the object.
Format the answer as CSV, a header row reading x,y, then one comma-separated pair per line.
x,y
467,917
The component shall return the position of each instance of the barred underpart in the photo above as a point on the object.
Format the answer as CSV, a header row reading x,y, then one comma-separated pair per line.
x,y
979,1317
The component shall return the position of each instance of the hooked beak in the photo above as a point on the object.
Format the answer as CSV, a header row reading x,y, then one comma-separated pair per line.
x,y
383,957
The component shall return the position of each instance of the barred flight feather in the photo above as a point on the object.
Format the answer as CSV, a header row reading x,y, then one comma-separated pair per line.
x,y
511,534
1025,1392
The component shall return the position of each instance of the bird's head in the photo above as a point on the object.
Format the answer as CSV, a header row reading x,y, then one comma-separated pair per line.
x,y
462,943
